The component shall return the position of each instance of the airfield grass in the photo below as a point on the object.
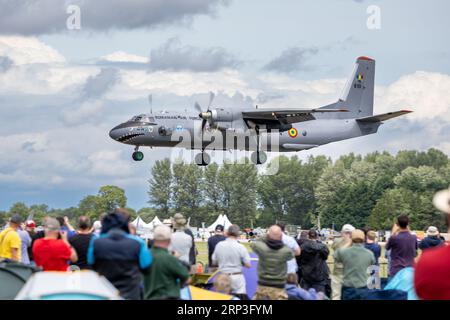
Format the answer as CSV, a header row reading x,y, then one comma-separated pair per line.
x,y
203,256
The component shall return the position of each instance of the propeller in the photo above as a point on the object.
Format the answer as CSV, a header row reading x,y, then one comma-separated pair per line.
x,y
205,115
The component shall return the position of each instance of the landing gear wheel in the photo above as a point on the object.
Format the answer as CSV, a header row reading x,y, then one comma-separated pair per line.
x,y
138,156
258,157
202,159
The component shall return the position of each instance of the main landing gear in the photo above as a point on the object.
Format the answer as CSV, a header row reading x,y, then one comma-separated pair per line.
x,y
137,155
258,157
202,159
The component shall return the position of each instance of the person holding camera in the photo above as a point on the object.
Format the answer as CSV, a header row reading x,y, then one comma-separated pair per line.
x,y
51,253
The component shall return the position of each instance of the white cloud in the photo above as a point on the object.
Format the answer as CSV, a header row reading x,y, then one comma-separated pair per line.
x,y
121,56
26,50
426,93
109,163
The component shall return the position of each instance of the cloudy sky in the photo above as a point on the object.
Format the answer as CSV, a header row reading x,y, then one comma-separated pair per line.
x,y
61,89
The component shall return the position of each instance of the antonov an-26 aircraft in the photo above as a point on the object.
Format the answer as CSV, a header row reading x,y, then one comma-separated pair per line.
x,y
258,129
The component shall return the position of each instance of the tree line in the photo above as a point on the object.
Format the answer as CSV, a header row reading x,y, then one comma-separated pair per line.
x,y
368,190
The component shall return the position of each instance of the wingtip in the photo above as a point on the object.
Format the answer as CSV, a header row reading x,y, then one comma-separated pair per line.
x,y
406,111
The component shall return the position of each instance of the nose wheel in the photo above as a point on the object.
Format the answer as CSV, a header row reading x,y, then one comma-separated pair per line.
x,y
137,155
202,159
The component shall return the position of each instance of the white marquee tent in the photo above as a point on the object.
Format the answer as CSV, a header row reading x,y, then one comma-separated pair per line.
x,y
155,222
221,219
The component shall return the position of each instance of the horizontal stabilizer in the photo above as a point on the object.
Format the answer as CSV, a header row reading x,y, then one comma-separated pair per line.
x,y
384,116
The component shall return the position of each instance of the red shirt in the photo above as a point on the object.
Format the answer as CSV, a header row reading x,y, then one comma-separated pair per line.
x,y
51,254
432,274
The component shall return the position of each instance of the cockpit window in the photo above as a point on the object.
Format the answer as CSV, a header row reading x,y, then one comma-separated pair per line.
x,y
143,118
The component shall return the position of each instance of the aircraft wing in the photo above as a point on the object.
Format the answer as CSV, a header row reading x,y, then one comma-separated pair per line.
x,y
285,116
383,116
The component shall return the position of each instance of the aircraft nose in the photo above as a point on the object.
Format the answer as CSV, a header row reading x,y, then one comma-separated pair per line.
x,y
114,133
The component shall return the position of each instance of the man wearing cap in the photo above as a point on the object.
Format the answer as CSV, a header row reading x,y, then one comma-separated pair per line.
x,y
181,242
10,243
344,241
432,271
213,241
432,239
231,256
355,259
51,253
167,275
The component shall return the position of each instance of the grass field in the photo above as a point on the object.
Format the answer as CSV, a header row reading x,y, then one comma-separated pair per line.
x,y
203,257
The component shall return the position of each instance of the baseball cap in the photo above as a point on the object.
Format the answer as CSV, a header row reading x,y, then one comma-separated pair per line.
x,y
162,232
30,224
219,227
16,219
347,228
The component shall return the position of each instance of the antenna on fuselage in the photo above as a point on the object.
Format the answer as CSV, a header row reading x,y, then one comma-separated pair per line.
x,y
150,101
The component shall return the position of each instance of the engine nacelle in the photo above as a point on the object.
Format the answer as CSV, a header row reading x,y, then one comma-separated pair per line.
x,y
221,115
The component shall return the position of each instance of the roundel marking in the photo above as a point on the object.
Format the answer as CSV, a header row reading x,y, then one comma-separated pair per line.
x,y
292,132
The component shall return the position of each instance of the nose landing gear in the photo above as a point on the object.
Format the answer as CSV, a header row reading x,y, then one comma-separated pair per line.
x,y
137,155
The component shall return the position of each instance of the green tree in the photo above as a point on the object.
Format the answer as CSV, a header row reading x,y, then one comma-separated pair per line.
x,y
187,190
20,209
160,184
110,198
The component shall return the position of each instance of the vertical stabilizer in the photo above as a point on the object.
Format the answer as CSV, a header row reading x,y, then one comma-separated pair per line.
x,y
358,94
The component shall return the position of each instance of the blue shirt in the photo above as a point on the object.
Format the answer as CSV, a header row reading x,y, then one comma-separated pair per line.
x,y
375,248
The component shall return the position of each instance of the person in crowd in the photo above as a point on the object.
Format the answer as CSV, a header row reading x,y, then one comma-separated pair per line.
x,y
119,256
51,253
272,267
193,251
230,256
432,239
10,243
302,237
212,242
313,261
80,242
432,272
372,245
181,242
345,241
403,246
25,241
290,242
66,226
294,292
355,259
166,275
30,227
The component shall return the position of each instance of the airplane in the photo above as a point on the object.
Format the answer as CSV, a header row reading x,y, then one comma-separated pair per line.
x,y
282,129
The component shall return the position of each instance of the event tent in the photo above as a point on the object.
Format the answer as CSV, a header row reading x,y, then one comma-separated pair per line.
x,y
139,223
221,219
155,222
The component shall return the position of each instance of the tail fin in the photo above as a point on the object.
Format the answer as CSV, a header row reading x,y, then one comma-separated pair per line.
x,y
358,93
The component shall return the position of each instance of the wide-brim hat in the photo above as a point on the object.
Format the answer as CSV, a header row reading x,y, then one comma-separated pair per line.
x,y
179,221
432,231
441,200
